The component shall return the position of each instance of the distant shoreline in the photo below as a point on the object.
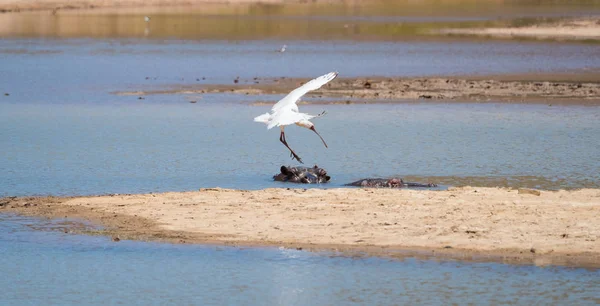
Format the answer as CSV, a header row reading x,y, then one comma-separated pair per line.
x,y
579,28
466,223
48,5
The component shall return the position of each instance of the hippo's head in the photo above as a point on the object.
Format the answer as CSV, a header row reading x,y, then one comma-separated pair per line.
x,y
395,183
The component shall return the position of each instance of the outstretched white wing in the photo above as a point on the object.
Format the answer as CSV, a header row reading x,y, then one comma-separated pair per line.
x,y
296,94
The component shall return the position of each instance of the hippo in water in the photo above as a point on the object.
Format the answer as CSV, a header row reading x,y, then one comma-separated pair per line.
x,y
387,183
305,175
316,175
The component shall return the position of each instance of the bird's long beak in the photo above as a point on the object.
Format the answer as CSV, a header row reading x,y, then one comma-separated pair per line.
x,y
313,129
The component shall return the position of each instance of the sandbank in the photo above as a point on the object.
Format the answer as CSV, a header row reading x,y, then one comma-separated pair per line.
x,y
507,225
581,87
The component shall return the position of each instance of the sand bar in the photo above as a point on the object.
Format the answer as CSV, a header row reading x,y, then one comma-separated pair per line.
x,y
569,29
571,88
555,227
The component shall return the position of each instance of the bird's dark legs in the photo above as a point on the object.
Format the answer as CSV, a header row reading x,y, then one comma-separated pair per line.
x,y
292,153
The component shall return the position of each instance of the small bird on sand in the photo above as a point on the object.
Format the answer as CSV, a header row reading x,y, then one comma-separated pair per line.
x,y
285,112
147,18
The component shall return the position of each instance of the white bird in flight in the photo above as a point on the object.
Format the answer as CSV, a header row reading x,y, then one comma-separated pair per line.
x,y
285,112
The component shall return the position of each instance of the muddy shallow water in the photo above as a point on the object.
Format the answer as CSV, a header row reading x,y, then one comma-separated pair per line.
x,y
362,20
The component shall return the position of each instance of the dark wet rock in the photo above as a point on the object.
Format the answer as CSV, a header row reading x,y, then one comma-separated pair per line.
x,y
367,85
388,183
303,175
116,239
141,98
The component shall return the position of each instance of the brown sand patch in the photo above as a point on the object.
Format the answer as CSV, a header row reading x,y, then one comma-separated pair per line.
x,y
579,88
553,228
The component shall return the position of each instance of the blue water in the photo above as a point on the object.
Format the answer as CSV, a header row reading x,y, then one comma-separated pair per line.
x,y
63,131
44,266
78,70
135,147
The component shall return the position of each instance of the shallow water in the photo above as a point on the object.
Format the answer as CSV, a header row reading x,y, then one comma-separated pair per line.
x,y
64,132
47,266
78,70
157,146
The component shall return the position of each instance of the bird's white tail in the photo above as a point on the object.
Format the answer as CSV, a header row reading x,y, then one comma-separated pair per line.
x,y
264,118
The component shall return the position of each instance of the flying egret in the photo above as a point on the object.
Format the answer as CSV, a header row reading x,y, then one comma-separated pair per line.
x,y
285,112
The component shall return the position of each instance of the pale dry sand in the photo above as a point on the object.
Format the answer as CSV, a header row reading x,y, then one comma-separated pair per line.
x,y
558,227
572,29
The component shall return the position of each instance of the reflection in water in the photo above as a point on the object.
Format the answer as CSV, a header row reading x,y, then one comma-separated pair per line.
x,y
380,20
49,267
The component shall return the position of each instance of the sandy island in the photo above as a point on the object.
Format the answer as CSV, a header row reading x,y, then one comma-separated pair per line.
x,y
580,87
553,227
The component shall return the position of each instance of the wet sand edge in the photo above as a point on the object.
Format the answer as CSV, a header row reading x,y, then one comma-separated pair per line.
x,y
133,227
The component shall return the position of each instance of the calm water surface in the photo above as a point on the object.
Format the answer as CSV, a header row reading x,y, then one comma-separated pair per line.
x,y
42,265
64,132
167,145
